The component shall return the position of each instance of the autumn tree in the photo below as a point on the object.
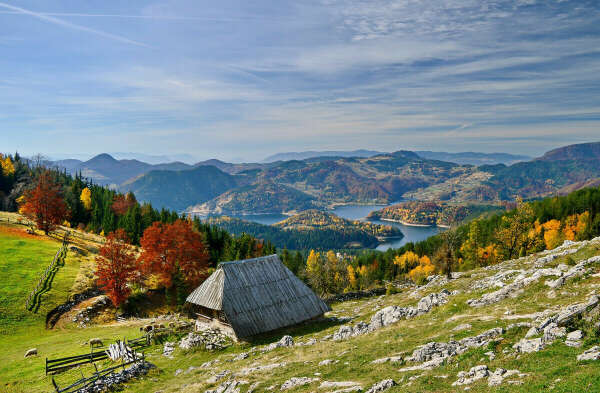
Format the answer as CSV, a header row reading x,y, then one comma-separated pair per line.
x,y
44,203
446,258
174,253
513,234
115,266
122,203
86,198
315,272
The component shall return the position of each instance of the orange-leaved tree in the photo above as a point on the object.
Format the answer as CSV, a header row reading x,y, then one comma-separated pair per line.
x,y
171,250
116,266
44,203
122,203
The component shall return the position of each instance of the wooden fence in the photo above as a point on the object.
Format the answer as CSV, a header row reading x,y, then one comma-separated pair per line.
x,y
60,254
54,366
85,382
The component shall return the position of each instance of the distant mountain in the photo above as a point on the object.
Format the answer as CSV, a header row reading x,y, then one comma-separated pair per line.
x,y
106,170
229,167
582,151
303,155
179,189
558,171
474,158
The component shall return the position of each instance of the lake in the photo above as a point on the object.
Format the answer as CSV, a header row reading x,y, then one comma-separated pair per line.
x,y
360,212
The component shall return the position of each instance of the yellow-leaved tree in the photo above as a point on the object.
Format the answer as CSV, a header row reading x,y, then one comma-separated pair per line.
x,y
406,261
86,198
423,270
552,235
8,169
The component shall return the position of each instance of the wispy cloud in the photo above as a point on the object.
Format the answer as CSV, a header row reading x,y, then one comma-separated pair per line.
x,y
63,23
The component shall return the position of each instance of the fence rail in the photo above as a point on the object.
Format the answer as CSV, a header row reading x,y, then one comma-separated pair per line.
x,y
86,382
54,366
61,253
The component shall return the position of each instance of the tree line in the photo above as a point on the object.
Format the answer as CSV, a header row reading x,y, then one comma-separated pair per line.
x,y
527,228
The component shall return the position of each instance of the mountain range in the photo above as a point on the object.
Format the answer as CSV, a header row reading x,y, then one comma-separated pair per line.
x,y
217,187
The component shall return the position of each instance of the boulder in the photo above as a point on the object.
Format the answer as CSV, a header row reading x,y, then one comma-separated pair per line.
x,y
574,338
591,354
528,346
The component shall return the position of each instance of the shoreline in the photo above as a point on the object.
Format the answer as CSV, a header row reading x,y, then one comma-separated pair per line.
x,y
408,224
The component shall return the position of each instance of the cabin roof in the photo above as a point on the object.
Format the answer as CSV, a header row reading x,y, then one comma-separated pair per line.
x,y
258,295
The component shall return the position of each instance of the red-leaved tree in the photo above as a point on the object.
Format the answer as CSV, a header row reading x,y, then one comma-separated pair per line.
x,y
169,249
44,203
122,203
115,266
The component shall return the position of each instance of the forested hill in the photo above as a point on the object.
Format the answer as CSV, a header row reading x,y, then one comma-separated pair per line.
x,y
430,213
180,189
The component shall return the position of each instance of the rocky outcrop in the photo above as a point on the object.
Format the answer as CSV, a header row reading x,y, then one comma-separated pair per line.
x,y
297,381
575,271
434,353
227,387
381,386
474,374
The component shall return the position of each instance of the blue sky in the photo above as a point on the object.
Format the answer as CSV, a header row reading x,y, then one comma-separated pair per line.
x,y
239,80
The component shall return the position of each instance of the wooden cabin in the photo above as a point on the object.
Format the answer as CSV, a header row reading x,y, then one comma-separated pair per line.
x,y
253,296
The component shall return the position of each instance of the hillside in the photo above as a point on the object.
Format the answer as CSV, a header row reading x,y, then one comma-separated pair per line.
x,y
429,213
311,229
180,189
534,316
255,199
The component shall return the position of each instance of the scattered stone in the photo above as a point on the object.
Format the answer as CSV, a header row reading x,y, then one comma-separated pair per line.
x,y
497,377
168,348
31,352
226,387
218,376
178,371
267,367
464,326
343,384
297,381
327,362
391,359
591,354
491,355
241,356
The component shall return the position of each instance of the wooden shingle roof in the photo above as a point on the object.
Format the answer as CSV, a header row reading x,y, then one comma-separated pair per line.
x,y
258,295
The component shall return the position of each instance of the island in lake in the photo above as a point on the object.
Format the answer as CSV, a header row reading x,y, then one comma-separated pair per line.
x,y
420,213
313,229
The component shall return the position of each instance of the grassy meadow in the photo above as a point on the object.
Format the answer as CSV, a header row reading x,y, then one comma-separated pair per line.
x,y
555,369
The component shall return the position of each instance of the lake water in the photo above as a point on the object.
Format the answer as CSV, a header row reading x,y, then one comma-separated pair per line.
x,y
360,212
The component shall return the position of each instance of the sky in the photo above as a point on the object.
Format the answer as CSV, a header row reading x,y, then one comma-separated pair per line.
x,y
241,80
